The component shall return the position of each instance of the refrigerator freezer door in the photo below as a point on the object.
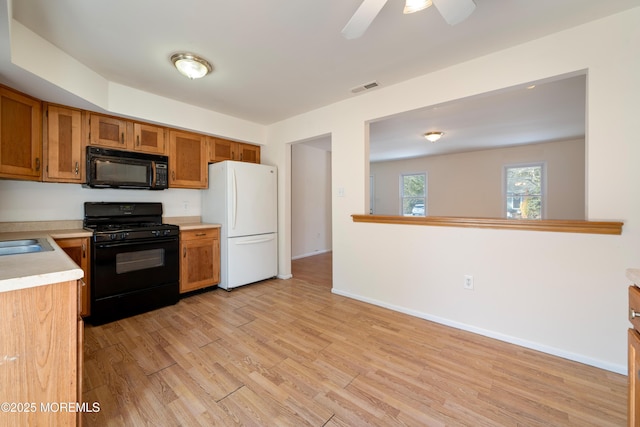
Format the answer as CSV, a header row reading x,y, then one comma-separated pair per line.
x,y
251,259
252,199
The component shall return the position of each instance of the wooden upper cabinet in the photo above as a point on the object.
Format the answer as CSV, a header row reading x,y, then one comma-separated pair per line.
x,y
224,149
107,131
187,160
149,139
20,136
63,153
220,149
248,153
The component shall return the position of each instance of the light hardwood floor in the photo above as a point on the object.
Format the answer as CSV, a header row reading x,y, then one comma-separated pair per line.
x,y
289,352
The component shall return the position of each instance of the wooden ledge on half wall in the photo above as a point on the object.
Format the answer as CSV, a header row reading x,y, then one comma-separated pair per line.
x,y
554,225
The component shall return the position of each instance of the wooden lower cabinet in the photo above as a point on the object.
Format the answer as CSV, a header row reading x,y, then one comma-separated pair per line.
x,y
634,357
634,378
41,365
200,259
78,250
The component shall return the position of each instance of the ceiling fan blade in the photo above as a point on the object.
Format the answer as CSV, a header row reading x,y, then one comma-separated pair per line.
x,y
360,21
455,11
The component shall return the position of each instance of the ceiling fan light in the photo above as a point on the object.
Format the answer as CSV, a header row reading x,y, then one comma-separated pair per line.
x,y
190,65
433,136
412,6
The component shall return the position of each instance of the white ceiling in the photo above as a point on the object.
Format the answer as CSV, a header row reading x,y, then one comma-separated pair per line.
x,y
532,113
278,58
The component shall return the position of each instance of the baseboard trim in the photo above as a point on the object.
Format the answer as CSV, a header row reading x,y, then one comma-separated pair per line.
x,y
619,369
324,251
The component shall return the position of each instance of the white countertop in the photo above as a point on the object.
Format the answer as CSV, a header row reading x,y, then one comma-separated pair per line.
x,y
22,271
190,223
633,274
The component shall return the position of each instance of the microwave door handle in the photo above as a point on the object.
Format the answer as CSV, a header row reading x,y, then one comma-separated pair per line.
x,y
154,174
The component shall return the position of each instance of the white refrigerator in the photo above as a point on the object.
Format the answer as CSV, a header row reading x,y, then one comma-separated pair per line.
x,y
242,197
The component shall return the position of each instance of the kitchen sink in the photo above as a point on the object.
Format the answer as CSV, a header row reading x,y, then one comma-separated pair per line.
x,y
24,246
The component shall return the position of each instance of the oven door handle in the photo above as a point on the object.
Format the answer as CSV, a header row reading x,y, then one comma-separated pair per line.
x,y
132,242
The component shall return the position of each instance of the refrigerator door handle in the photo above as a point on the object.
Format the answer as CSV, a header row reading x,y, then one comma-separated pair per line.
x,y
253,242
234,199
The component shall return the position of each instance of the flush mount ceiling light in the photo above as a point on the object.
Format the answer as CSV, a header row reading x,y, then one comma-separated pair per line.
x,y
191,65
412,6
433,136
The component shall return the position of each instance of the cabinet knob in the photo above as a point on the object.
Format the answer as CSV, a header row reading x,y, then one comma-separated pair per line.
x,y
138,140
122,138
633,314
38,164
77,169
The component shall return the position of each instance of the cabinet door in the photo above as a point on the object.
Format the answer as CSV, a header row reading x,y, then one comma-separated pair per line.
x,y
634,378
78,251
20,136
248,153
149,139
63,145
187,160
200,266
106,131
222,149
39,352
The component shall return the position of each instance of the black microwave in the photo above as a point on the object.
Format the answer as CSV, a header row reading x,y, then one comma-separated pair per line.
x,y
108,168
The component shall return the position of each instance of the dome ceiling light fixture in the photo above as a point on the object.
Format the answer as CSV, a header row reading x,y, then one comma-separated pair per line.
x,y
433,136
191,65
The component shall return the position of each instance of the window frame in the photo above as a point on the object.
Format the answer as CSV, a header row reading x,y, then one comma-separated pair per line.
x,y
402,196
543,186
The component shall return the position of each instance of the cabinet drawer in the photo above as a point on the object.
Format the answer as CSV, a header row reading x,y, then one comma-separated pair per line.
x,y
205,233
634,306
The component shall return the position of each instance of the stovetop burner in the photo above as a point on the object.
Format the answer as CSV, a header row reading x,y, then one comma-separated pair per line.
x,y
126,221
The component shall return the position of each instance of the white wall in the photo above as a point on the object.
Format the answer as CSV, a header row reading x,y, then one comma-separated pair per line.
x,y
35,201
559,292
471,184
310,201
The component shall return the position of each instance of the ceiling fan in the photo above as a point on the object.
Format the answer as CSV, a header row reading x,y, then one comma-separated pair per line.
x,y
453,11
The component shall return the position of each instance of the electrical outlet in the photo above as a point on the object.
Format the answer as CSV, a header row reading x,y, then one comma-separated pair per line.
x,y
468,282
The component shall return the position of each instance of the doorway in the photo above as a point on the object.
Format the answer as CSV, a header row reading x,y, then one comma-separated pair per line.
x,y
311,197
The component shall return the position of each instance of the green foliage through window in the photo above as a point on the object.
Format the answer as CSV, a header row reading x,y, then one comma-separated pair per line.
x,y
413,194
524,192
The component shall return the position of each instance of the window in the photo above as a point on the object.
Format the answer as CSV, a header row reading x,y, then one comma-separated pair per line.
x,y
523,188
413,194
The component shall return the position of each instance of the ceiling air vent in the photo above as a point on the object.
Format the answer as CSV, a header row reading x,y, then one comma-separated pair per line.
x,y
363,87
